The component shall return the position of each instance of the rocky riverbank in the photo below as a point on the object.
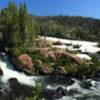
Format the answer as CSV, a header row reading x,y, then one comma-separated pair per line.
x,y
48,61
20,70
43,65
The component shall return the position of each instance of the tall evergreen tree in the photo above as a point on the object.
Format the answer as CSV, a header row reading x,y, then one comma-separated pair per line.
x,y
23,22
25,30
9,25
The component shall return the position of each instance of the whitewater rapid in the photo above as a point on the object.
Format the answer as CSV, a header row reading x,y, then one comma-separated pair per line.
x,y
9,72
77,92
85,46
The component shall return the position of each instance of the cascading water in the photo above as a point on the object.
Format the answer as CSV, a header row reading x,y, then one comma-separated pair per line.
x,y
77,90
9,72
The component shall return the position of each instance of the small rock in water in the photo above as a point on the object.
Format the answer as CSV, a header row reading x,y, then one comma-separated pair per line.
x,y
86,84
61,91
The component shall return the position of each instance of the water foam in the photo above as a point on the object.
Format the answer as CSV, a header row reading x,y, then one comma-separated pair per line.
x,y
78,92
8,73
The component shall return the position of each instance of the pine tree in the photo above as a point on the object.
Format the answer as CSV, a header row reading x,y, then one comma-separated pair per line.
x,y
15,27
9,25
23,22
25,27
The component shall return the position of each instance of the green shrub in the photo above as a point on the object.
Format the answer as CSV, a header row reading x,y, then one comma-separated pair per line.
x,y
71,68
83,69
35,55
18,51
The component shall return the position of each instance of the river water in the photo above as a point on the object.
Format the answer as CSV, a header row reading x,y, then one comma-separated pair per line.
x,y
9,72
76,90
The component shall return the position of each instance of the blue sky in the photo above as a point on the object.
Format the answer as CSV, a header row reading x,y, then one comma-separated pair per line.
x,y
88,8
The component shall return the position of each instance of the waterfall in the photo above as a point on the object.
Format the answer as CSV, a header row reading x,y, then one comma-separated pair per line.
x,y
9,72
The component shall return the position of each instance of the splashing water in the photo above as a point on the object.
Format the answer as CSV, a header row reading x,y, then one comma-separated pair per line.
x,y
77,91
80,93
9,72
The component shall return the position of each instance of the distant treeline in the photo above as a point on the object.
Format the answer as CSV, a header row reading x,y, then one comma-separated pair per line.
x,y
18,29
69,27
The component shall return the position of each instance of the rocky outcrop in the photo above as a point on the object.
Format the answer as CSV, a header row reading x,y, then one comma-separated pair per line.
x,y
46,69
69,57
23,63
43,68
59,53
55,55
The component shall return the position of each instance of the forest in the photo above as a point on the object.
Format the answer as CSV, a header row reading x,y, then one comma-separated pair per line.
x,y
18,28
73,27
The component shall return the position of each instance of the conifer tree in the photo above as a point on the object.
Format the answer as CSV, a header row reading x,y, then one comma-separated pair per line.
x,y
9,25
23,22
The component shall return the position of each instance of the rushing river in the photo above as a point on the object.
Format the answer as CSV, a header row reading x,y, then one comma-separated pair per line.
x,y
9,72
76,90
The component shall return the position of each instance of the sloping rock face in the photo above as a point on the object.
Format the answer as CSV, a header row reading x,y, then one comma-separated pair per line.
x,y
23,62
